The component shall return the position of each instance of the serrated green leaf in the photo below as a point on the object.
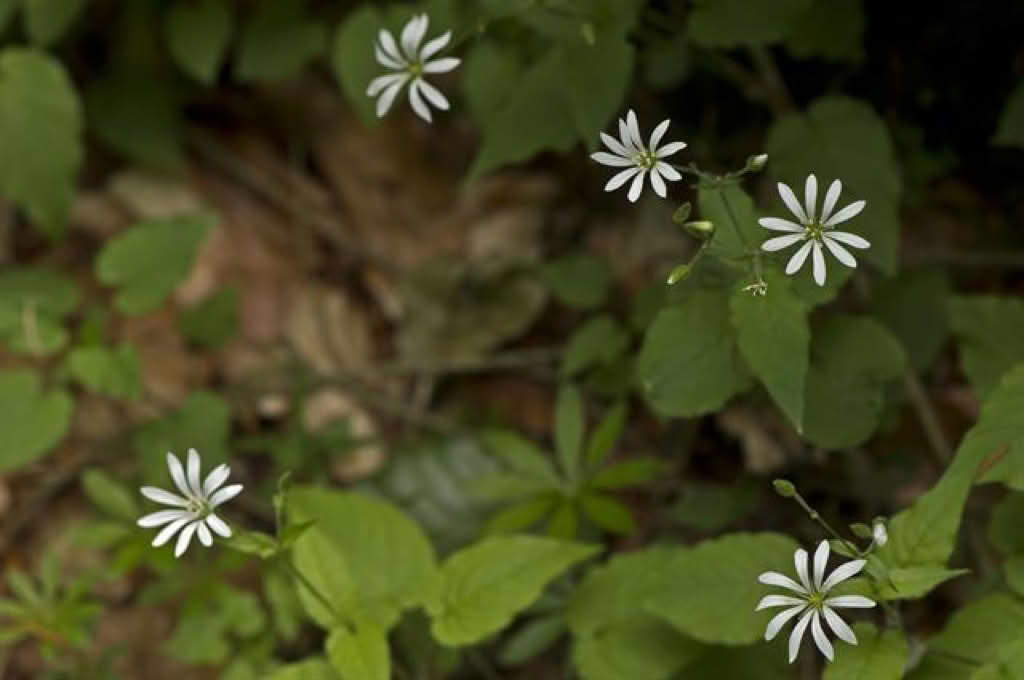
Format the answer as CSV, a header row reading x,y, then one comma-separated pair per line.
x,y
33,420
484,586
391,563
600,340
731,23
879,655
607,513
198,34
689,364
914,307
606,434
46,21
832,30
721,576
843,138
520,455
363,655
202,422
913,582
581,281
1011,123
852,361
640,649
278,41
40,136
569,424
213,320
732,212
110,495
774,337
352,58
115,372
149,260
627,473
532,639
991,333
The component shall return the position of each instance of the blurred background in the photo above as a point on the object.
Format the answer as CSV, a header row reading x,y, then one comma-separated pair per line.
x,y
208,239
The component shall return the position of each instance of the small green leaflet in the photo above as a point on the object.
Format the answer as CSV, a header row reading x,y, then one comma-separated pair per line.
x,y
33,420
112,371
732,23
1011,124
197,35
360,655
878,655
991,333
278,41
46,21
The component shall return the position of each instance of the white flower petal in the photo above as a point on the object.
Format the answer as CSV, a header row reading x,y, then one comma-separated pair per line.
x,y
218,525
636,187
778,601
847,213
657,183
850,601
841,253
774,578
621,178
441,65
381,83
818,258
412,34
820,562
634,129
670,149
615,145
161,517
780,242
386,60
387,97
820,638
626,138
217,476
178,474
838,626
605,158
811,195
780,620
668,172
390,47
225,494
165,497
204,534
658,133
800,560
433,95
168,531
797,261
194,480
183,539
434,46
779,224
416,101
849,239
798,634
841,573
831,196
789,198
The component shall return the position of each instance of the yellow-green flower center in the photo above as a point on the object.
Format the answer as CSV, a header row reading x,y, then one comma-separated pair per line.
x,y
816,600
415,69
815,230
198,507
645,159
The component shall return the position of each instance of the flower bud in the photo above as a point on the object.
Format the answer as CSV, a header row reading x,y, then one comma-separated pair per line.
x,y
701,229
682,213
678,274
756,163
861,530
880,533
784,488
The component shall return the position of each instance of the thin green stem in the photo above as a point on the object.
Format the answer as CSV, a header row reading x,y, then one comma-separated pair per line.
x,y
816,516
308,585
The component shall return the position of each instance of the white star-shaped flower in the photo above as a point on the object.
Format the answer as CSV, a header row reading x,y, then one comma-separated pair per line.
x,y
411,62
193,511
812,601
629,151
814,230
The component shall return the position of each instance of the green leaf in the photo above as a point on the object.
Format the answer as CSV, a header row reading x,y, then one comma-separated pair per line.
x,y
33,421
1005,530
642,649
149,260
39,110
581,281
914,307
564,521
844,138
991,334
762,661
33,302
910,583
532,639
488,70
110,495
627,473
720,576
774,337
1013,568
569,424
732,212
46,21
1008,664
520,455
321,561
1011,124
310,669
202,422
689,364
731,23
115,372
832,30
198,34
7,8
213,320
255,543
879,655
363,655
391,562
925,533
977,631
602,441
278,41
533,120
522,515
484,586
713,507
607,513
352,58
852,360
601,340
597,77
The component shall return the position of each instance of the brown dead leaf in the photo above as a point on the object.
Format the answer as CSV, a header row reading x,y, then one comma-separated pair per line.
x,y
329,330
765,440
331,405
